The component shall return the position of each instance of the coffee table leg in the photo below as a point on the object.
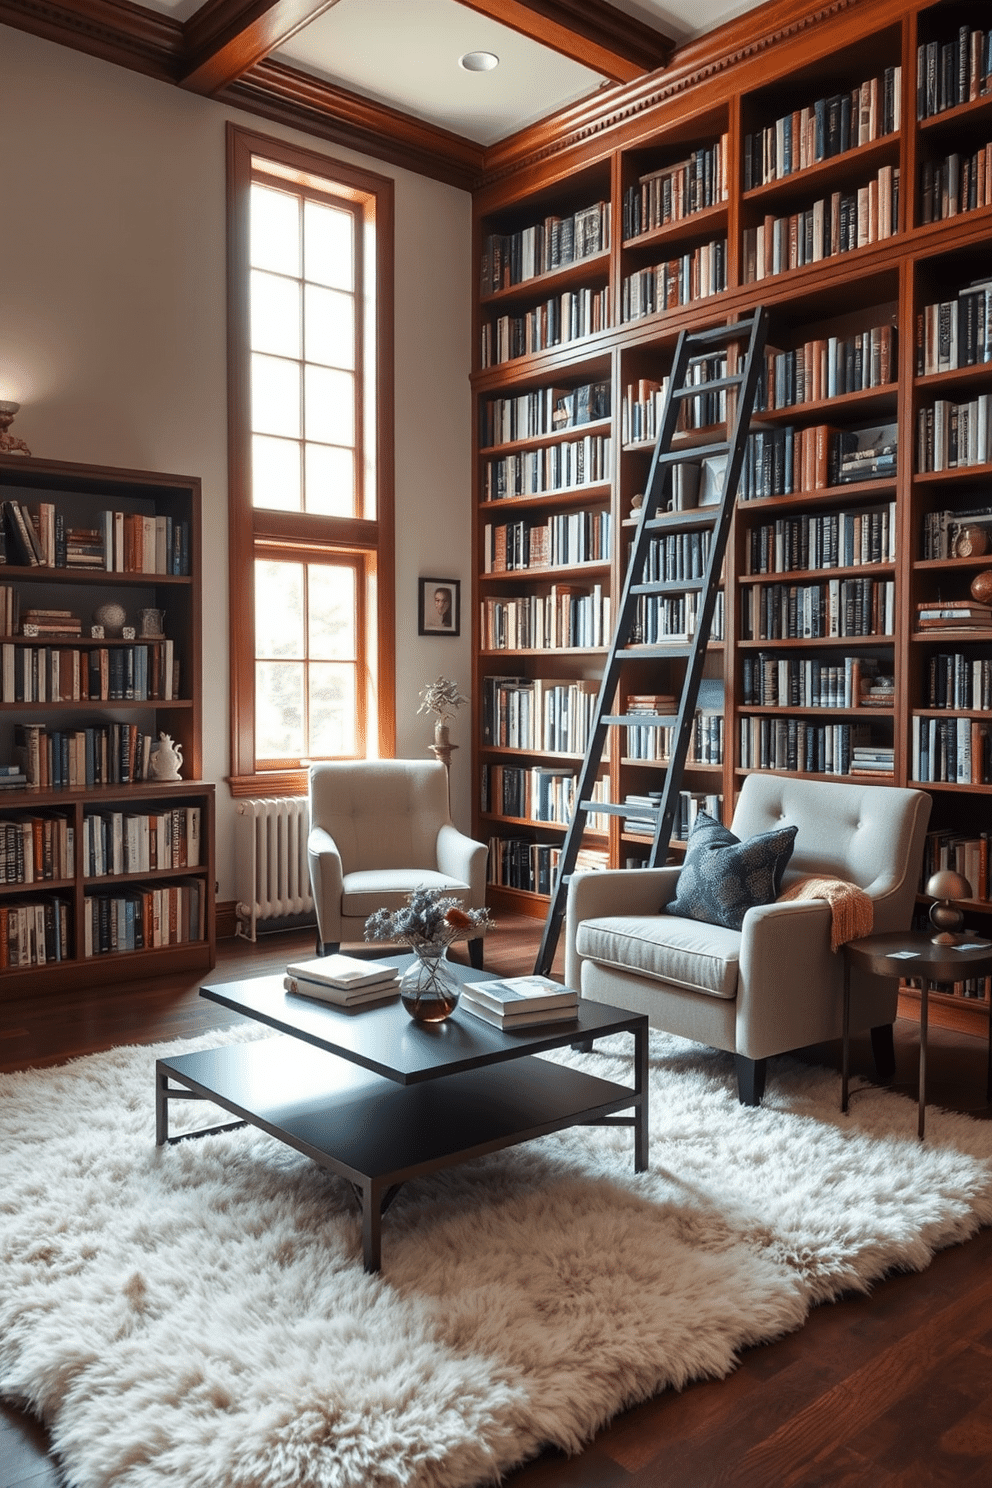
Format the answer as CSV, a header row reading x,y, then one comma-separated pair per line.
x,y
924,1010
641,1111
161,1108
371,1227
845,1068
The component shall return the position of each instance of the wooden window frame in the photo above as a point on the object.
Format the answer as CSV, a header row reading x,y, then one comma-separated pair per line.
x,y
304,535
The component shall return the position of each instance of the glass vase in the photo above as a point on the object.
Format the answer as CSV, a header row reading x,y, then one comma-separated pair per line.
x,y
429,989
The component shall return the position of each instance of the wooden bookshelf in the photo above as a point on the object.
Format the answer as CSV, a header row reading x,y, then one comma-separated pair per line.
x,y
849,274
108,871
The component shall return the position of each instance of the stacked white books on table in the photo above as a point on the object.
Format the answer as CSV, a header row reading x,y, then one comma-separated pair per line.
x,y
518,1002
344,980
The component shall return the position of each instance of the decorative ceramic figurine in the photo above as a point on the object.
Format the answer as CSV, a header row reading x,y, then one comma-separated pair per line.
x,y
165,759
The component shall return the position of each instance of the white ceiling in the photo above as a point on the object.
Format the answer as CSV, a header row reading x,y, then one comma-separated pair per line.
x,y
404,53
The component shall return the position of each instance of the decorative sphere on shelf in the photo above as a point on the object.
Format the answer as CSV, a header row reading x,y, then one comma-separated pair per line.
x,y
112,616
981,587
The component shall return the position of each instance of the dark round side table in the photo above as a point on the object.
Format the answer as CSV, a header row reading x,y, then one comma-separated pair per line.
x,y
911,953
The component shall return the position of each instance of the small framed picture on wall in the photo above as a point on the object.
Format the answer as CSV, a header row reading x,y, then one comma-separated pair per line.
x,y
440,607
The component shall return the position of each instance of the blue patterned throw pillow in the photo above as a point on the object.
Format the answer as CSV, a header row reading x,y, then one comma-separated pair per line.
x,y
723,877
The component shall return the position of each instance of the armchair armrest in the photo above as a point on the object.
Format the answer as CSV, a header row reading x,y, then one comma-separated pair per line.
x,y
326,881
614,891
461,857
790,982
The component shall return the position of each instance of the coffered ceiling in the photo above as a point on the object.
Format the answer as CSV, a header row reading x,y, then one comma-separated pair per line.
x,y
385,75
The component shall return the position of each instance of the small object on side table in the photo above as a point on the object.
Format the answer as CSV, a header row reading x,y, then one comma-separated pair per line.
x,y
945,916
912,953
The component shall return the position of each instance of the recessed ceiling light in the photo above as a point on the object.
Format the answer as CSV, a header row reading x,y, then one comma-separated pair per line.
x,y
479,61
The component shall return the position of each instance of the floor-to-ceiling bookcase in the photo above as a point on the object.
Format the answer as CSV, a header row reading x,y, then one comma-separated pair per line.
x,y
841,174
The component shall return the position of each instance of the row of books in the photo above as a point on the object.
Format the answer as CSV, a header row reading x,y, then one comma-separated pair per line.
x,y
672,619
843,539
780,462
966,853
34,849
72,759
947,533
955,333
956,184
543,247
954,680
32,934
143,918
654,741
554,468
827,367
561,540
537,713
770,681
675,557
542,411
956,751
836,608
949,73
570,316
36,535
539,793
953,436
835,224
694,275
830,126
673,192
813,748
643,807
644,404
519,863
568,617
117,842
139,672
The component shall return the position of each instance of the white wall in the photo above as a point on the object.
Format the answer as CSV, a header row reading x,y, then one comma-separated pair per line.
x,y
113,339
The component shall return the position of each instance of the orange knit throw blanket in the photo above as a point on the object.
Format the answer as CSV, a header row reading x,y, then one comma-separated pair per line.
x,y
853,913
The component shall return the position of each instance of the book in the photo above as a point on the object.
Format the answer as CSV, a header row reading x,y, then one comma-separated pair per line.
x,y
524,1019
301,987
343,973
512,996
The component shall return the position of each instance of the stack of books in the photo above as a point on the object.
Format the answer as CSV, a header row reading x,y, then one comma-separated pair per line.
x,y
519,1002
953,614
344,980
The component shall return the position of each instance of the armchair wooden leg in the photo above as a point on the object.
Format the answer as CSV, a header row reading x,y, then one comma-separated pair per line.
x,y
475,952
883,1050
750,1080
327,947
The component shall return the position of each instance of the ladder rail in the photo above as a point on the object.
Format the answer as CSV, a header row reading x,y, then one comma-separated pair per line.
x,y
753,329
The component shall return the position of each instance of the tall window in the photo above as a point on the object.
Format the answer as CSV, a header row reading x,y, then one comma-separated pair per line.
x,y
310,306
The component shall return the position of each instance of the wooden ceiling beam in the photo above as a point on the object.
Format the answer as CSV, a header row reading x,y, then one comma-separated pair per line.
x,y
225,38
591,32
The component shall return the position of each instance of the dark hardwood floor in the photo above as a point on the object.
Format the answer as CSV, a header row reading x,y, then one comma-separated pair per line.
x,y
890,1389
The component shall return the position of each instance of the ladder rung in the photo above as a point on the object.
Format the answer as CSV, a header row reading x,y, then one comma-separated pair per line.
x,y
674,651
719,335
694,516
608,808
667,586
645,720
696,389
694,452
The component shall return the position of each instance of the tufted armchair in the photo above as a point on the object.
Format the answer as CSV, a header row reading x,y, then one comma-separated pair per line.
x,y
775,985
378,830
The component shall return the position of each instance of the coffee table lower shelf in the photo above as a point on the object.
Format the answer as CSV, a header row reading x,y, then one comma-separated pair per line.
x,y
377,1133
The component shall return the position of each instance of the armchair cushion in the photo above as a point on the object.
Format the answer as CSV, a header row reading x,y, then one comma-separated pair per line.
x,y
681,952
723,877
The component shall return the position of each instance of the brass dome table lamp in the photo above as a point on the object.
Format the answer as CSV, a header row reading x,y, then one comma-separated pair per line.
x,y
947,917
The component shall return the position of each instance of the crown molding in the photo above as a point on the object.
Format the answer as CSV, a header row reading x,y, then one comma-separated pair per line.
x,y
597,35
224,38
743,39
282,94
113,30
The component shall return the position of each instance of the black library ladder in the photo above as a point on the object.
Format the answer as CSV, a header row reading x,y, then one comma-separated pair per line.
x,y
669,506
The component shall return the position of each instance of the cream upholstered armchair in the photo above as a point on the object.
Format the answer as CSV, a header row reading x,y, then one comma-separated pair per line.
x,y
774,985
378,830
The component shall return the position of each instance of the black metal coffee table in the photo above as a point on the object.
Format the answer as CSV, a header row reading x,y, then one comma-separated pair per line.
x,y
378,1099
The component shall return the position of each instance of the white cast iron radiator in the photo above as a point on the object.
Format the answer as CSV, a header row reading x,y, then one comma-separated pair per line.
x,y
272,877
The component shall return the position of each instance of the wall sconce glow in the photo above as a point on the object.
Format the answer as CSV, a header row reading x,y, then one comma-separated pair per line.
x,y
478,61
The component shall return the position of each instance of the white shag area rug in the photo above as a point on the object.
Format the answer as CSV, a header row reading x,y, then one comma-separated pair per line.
x,y
198,1316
